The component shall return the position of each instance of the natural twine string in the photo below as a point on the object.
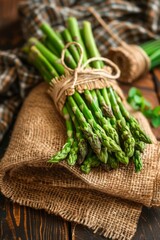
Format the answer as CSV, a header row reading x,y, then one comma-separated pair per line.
x,y
80,76
131,59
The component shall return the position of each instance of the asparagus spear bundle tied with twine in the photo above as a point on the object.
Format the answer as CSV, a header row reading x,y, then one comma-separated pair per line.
x,y
100,130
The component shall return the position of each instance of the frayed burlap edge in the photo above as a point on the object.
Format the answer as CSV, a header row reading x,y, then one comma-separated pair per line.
x,y
128,208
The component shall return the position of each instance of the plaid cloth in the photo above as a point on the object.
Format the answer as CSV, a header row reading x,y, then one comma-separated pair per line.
x,y
133,21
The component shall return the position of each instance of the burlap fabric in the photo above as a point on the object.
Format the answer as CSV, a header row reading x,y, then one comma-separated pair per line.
x,y
94,200
132,61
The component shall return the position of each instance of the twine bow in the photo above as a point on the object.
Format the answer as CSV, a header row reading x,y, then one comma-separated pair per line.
x,y
81,77
81,69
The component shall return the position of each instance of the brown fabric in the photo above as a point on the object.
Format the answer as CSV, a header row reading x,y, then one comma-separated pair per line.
x,y
132,61
59,90
94,200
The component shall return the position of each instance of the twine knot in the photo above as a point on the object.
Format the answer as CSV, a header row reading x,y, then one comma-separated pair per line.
x,y
81,77
81,68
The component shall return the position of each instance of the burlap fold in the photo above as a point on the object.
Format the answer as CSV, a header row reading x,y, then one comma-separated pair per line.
x,y
94,200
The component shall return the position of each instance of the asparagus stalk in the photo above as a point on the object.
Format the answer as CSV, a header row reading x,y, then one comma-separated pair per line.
x,y
90,44
126,135
73,154
51,58
135,128
36,56
82,144
106,140
85,126
63,153
95,99
106,110
93,52
107,101
137,160
110,131
152,50
49,45
52,36
75,33
90,162
67,38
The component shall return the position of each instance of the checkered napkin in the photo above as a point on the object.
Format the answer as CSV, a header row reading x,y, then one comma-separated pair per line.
x,y
133,21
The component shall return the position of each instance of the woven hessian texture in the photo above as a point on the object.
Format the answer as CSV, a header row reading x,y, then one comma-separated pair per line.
x,y
94,200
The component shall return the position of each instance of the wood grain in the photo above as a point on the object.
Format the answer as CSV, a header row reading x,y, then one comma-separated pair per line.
x,y
24,223
148,228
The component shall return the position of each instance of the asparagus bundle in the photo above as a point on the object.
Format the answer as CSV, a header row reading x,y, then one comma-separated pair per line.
x,y
100,131
134,61
152,49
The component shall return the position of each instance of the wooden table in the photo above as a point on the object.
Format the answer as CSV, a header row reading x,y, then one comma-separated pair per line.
x,y
23,223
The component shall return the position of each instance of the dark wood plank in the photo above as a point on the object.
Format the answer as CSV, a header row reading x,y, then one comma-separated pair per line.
x,y
148,228
18,222
80,232
149,225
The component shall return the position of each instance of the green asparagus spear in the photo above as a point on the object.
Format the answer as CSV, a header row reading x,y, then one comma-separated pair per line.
x,y
90,162
67,38
139,145
90,44
75,33
110,131
49,45
112,161
95,98
106,141
52,36
63,153
53,59
106,110
135,128
73,154
36,55
126,135
82,143
137,160
85,126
